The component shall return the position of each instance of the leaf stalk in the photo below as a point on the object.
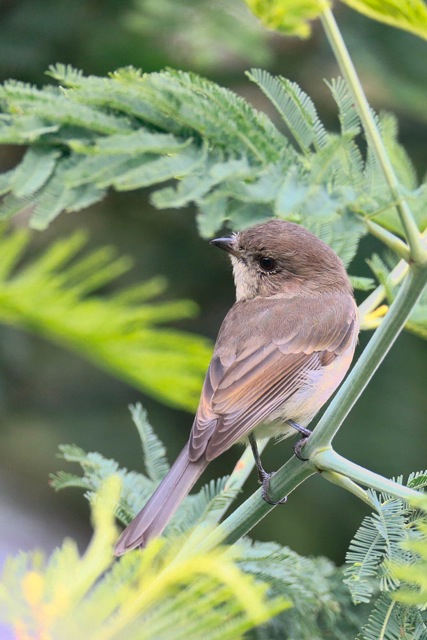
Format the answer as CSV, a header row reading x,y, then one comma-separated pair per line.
x,y
418,252
331,461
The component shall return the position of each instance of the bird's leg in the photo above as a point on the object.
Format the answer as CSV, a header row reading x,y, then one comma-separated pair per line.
x,y
263,476
262,473
305,434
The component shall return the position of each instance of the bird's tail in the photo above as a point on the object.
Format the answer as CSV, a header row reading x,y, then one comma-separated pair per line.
x,y
155,515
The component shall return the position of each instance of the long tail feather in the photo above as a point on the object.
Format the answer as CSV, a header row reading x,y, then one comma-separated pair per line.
x,y
155,515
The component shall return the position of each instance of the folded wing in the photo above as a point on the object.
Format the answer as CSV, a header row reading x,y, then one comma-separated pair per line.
x,y
247,382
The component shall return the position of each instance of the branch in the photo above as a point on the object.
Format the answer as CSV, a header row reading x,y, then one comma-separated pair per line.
x,y
254,509
330,460
339,48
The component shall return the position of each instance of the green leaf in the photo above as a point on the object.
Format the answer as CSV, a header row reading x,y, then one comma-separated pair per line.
x,y
53,107
151,594
137,487
218,115
292,18
55,296
362,284
298,202
99,170
160,170
5,181
64,480
211,216
312,584
378,542
402,164
347,112
343,234
133,142
154,451
410,15
417,480
201,508
33,172
58,196
412,570
195,187
295,107
24,129
11,205
392,621
137,129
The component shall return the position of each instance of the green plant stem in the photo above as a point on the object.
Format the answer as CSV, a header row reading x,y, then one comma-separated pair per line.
x,y
389,239
238,477
330,460
377,296
235,482
395,277
348,485
374,139
254,509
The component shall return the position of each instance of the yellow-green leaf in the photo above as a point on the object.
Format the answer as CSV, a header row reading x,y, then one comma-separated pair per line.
x,y
57,296
157,592
291,17
410,15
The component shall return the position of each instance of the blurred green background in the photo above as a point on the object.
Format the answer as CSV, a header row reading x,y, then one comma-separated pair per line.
x,y
49,396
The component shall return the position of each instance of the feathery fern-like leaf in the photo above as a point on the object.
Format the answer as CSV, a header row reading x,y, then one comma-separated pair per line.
x,y
392,621
140,596
321,607
137,129
55,296
295,107
137,487
33,172
347,112
411,570
154,451
376,542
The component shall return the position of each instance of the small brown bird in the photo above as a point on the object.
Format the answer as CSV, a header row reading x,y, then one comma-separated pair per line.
x,y
282,350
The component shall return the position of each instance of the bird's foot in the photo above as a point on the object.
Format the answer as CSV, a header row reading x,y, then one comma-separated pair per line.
x,y
264,480
263,476
305,434
298,446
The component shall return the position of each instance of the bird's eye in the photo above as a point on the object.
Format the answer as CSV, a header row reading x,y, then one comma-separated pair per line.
x,y
267,264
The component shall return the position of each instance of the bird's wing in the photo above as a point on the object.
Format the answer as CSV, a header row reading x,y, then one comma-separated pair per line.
x,y
246,382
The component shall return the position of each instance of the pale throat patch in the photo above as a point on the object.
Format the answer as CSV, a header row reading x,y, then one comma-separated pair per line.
x,y
246,285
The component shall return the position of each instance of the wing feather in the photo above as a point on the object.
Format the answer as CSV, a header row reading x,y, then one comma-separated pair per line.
x,y
246,382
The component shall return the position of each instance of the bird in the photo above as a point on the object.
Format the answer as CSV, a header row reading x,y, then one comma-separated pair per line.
x,y
282,350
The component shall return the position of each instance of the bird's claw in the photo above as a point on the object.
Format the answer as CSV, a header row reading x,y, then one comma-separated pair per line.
x,y
265,482
298,446
305,434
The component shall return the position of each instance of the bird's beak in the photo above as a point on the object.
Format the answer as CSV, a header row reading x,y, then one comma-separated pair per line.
x,y
227,244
